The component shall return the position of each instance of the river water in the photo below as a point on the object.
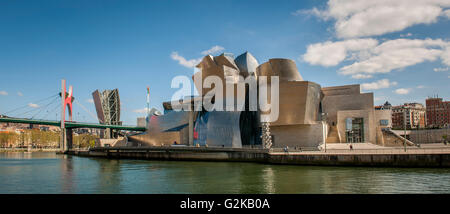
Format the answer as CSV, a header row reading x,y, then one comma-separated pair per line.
x,y
46,172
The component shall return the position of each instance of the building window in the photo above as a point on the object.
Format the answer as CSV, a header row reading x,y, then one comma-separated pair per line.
x,y
384,122
354,130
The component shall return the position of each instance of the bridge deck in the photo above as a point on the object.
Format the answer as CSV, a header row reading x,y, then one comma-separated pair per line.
x,y
70,124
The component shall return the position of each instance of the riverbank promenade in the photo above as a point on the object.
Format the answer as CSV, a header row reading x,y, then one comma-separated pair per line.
x,y
362,155
367,148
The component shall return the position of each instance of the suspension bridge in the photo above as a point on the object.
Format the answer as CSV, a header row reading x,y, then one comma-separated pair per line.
x,y
37,112
70,124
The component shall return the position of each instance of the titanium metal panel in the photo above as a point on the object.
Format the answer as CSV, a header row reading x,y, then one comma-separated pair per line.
x,y
168,121
247,64
201,128
298,103
223,129
286,69
221,66
225,60
155,112
163,130
154,139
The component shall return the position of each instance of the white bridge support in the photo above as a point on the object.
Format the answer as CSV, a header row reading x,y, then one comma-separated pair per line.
x,y
66,141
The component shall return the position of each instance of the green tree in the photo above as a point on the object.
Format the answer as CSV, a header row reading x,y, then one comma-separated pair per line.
x,y
8,138
41,138
84,141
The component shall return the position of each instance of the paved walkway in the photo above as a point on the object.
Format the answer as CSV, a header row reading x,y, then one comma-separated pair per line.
x,y
368,148
355,146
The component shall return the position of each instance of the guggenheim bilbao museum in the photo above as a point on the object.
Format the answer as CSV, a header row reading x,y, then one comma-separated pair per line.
x,y
308,115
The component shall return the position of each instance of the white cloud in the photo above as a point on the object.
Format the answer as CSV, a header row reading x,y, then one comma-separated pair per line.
x,y
91,101
184,62
397,54
406,35
440,69
20,94
446,13
357,18
213,50
420,86
381,99
384,83
403,91
191,63
332,53
446,56
362,76
32,105
4,93
362,58
368,57
313,12
140,111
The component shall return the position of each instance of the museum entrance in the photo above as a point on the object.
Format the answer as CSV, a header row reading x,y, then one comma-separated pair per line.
x,y
354,130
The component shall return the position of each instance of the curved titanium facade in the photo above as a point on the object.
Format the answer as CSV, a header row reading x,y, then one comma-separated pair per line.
x,y
219,128
164,129
284,68
226,129
299,103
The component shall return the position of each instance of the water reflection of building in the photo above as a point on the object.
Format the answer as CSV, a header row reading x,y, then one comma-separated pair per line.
x,y
67,175
109,176
309,115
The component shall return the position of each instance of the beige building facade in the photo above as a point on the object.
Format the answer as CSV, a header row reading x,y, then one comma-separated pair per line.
x,y
350,114
414,113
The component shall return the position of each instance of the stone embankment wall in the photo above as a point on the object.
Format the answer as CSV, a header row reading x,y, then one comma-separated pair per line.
x,y
429,135
384,160
264,156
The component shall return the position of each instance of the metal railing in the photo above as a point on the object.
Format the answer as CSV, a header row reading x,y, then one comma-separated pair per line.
x,y
397,150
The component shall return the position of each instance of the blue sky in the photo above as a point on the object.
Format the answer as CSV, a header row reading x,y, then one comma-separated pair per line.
x,y
400,50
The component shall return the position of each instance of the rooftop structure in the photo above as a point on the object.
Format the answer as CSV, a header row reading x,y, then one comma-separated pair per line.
x,y
386,105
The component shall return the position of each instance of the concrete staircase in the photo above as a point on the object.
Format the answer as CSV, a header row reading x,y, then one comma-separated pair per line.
x,y
393,140
119,142
333,135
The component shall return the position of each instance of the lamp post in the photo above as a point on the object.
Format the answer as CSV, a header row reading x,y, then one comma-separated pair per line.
x,y
324,136
324,132
404,128
147,118
148,100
